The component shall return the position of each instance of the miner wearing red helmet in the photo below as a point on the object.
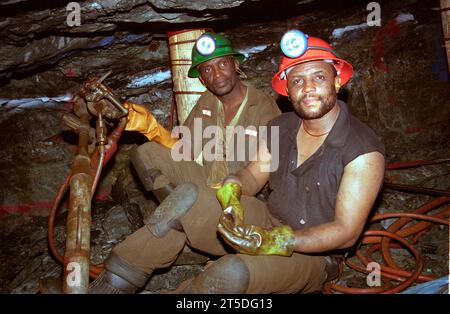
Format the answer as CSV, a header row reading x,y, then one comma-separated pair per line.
x,y
330,170
298,49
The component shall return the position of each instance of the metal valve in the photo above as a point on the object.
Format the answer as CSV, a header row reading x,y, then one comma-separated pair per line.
x,y
94,91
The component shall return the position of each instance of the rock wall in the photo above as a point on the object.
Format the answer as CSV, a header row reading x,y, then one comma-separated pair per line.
x,y
399,87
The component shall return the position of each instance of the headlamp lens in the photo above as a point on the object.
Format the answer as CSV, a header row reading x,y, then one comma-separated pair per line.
x,y
294,43
205,45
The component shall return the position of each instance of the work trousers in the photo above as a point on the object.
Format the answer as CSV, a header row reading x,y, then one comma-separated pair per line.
x,y
268,274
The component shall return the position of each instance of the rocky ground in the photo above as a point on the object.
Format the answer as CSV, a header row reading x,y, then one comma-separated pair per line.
x,y
26,259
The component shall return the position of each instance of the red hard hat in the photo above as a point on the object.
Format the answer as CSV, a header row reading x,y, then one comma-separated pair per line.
x,y
317,49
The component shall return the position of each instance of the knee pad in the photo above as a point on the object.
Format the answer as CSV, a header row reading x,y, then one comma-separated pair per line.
x,y
229,274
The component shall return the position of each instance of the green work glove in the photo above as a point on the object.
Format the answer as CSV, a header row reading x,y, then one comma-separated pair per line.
x,y
254,240
229,196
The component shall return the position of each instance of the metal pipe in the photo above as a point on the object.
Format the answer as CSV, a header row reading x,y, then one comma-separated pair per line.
x,y
83,180
101,137
77,254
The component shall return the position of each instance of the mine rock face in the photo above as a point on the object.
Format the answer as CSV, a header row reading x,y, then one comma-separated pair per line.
x,y
36,35
400,88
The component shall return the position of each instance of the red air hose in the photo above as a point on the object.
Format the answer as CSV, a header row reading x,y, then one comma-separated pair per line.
x,y
381,241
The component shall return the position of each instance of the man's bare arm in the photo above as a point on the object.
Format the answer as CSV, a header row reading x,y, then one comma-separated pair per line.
x,y
359,188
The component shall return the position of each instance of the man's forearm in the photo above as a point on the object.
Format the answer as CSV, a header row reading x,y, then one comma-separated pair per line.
x,y
248,183
325,237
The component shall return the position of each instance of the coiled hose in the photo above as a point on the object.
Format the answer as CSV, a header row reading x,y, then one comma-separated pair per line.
x,y
381,240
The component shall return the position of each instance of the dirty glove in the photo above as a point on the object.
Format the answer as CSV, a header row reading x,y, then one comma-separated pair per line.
x,y
250,239
142,121
254,240
229,196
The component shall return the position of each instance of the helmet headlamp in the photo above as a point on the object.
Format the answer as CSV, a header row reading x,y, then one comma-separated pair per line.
x,y
294,43
205,45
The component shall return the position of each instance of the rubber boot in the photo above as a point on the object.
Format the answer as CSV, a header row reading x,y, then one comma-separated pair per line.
x,y
167,215
229,274
118,277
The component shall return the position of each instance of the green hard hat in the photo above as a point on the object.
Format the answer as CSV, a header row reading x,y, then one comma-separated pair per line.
x,y
209,46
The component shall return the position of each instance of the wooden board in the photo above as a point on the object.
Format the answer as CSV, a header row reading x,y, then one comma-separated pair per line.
x,y
186,90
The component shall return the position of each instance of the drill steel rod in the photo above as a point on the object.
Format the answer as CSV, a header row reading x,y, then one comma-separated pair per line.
x,y
77,254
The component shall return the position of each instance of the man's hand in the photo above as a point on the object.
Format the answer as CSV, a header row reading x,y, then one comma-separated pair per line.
x,y
254,240
139,119
249,239
142,121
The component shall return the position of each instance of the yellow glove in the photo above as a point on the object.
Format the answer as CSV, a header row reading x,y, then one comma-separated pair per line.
x,y
254,240
229,195
142,121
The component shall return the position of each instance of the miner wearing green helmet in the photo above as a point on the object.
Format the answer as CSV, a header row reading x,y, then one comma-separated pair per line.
x,y
209,46
190,214
228,100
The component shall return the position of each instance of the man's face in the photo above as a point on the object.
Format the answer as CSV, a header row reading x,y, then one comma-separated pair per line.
x,y
219,75
312,89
